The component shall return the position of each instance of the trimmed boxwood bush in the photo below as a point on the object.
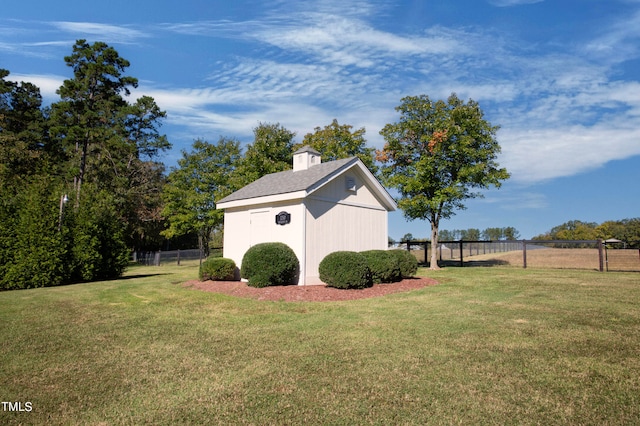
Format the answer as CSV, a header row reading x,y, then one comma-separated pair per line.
x,y
383,265
408,263
345,269
269,264
217,269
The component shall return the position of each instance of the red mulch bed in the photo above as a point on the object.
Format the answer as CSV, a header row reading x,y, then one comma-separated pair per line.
x,y
310,293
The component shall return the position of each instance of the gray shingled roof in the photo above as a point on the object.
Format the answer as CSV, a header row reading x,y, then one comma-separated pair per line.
x,y
290,181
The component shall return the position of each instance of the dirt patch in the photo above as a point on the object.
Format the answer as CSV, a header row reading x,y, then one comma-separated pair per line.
x,y
311,293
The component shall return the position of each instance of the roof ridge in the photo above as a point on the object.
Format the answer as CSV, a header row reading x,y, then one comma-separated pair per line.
x,y
288,181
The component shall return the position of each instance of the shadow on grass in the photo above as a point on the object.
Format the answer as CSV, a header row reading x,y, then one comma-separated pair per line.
x,y
469,263
131,277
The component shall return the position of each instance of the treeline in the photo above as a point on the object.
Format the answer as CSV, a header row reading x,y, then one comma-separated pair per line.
x,y
79,180
627,230
472,234
82,184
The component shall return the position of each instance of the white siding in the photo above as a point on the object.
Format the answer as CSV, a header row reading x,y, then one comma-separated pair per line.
x,y
336,190
245,227
335,227
341,219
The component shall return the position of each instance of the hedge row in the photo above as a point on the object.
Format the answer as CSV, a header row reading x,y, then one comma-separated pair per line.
x,y
217,269
270,264
347,269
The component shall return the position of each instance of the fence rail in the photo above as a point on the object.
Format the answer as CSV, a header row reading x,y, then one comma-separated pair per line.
x,y
156,258
573,254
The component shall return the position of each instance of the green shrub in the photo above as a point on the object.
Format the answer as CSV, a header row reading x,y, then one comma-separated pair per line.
x,y
407,262
345,269
269,264
383,265
217,269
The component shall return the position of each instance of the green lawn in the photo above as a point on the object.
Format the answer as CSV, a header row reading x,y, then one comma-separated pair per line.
x,y
485,346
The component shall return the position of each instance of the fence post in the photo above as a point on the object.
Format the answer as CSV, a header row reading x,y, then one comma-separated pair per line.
x,y
427,244
156,261
461,254
600,257
178,257
524,254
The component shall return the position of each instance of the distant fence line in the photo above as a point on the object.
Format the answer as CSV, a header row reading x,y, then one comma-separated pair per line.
x,y
456,250
576,254
580,254
156,258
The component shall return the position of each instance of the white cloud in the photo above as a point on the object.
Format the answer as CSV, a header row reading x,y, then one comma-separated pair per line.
x,y
48,84
544,154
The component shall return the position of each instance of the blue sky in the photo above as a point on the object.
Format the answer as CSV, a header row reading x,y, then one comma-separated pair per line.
x,y
561,78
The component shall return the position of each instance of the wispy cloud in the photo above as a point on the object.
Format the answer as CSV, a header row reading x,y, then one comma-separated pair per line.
x,y
561,108
617,41
555,105
103,32
507,3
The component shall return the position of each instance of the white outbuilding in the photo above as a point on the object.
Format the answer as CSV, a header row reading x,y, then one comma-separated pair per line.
x,y
316,208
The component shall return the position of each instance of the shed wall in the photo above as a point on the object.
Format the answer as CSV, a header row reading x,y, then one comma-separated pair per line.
x,y
342,219
245,227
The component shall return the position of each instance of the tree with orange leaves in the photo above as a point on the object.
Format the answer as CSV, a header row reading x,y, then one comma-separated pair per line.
x,y
438,155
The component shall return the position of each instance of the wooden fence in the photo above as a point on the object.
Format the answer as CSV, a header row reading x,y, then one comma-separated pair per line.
x,y
572,254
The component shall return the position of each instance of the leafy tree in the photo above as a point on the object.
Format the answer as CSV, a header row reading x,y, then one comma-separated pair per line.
x,y
471,234
571,230
85,119
22,131
97,237
436,155
93,145
336,141
30,251
105,140
270,152
627,230
33,252
407,237
203,176
139,177
446,235
511,233
493,234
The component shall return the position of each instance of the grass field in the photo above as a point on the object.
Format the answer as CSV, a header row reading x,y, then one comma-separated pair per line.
x,y
496,345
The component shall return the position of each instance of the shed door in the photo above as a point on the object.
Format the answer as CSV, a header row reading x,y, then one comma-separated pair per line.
x,y
260,227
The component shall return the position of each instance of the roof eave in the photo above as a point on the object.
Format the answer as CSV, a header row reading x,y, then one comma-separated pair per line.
x,y
287,196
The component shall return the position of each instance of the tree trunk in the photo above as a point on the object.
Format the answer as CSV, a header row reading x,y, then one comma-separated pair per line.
x,y
83,166
433,263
